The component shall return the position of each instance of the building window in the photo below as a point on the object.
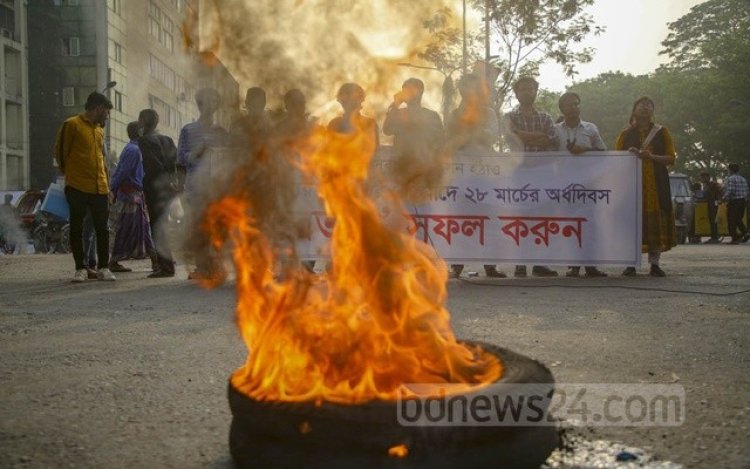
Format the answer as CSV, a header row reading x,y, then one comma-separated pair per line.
x,y
71,47
154,29
160,27
118,54
7,20
168,115
115,6
118,101
69,96
161,72
14,172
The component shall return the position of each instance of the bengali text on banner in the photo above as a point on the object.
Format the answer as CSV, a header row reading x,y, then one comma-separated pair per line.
x,y
541,208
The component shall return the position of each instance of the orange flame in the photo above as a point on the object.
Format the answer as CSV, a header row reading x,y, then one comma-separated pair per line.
x,y
374,322
398,451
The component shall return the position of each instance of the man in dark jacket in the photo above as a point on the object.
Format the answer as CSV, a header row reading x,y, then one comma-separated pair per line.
x,y
159,158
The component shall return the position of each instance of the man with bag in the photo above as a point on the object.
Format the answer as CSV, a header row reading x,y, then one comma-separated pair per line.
x,y
159,187
79,151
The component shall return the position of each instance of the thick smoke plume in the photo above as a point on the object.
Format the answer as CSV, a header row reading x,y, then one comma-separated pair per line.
x,y
316,45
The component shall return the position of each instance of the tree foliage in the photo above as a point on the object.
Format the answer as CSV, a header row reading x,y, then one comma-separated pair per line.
x,y
444,50
528,33
702,94
523,33
709,48
709,35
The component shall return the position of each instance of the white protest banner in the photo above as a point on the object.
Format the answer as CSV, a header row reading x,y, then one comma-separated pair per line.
x,y
550,208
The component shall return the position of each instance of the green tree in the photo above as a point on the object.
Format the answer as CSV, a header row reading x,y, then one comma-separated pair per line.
x,y
702,94
546,101
523,33
709,50
444,52
607,100
528,33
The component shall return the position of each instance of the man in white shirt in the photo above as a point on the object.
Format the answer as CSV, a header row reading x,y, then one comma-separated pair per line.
x,y
577,137
573,134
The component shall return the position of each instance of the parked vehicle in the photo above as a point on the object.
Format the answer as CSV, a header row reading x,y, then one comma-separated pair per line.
x,y
683,205
48,232
27,208
51,234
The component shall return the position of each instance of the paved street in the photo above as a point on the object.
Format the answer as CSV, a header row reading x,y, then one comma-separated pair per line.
x,y
133,373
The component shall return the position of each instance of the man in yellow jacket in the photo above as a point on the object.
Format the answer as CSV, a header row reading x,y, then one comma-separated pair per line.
x,y
79,151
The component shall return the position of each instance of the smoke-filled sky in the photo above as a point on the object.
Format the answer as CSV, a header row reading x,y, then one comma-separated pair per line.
x,y
317,45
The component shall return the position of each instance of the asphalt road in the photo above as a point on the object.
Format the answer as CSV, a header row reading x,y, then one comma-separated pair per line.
x,y
133,373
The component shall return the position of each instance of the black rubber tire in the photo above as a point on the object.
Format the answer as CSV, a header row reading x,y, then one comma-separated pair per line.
x,y
267,434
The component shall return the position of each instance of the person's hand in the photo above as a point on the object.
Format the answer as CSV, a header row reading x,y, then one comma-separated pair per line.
x,y
577,149
635,151
398,98
645,154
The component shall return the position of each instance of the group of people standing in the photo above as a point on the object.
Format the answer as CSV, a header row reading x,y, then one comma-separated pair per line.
x,y
736,194
139,192
152,170
530,130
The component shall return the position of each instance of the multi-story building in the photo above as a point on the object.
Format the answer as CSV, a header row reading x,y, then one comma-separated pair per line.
x,y
130,49
14,97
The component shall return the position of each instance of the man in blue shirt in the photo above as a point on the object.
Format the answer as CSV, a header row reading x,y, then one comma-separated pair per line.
x,y
194,149
735,194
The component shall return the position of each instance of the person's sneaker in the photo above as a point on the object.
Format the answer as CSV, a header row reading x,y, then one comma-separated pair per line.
x,y
592,272
520,271
712,241
629,272
745,238
80,276
106,275
573,272
542,271
656,271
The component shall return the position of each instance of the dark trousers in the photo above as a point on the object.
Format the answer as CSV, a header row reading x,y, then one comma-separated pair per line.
x,y
712,209
89,241
98,205
157,212
735,212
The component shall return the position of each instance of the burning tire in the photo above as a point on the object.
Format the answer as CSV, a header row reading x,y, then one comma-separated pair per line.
x,y
286,434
